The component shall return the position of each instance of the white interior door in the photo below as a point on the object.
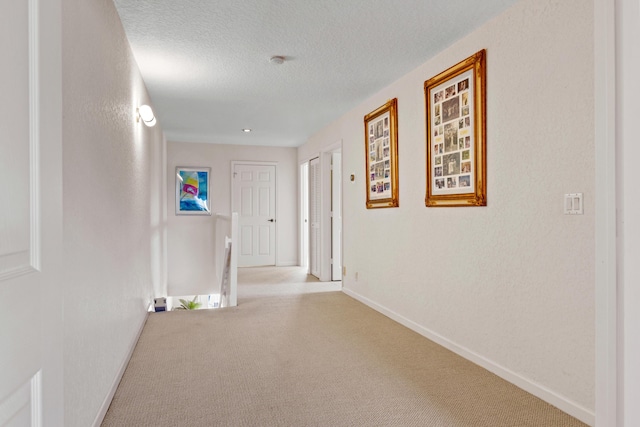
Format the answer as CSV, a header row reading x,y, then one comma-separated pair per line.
x,y
304,215
254,198
336,216
30,182
314,217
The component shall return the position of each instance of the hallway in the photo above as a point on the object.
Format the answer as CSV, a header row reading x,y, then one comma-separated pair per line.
x,y
257,282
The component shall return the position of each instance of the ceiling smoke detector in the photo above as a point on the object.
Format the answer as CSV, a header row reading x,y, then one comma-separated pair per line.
x,y
276,60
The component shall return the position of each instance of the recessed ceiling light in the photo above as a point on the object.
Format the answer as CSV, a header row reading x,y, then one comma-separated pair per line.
x,y
246,130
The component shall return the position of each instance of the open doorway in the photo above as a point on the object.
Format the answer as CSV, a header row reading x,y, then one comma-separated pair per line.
x,y
321,215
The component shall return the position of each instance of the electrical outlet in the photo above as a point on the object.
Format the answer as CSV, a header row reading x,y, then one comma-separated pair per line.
x,y
344,271
356,276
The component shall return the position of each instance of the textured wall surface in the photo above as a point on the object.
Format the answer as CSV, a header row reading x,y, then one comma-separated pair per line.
x,y
190,238
111,176
510,284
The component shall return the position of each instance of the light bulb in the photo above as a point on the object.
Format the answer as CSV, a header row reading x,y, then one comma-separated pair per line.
x,y
146,114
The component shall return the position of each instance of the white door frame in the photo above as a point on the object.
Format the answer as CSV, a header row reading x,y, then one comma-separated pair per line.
x,y
606,294
314,201
628,250
617,65
325,215
275,207
336,215
326,277
303,214
325,207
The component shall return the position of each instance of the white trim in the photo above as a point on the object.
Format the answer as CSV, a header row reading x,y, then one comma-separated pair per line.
x,y
287,264
333,147
164,198
33,264
315,214
17,272
301,161
337,183
606,294
36,400
325,216
555,399
326,196
627,109
34,132
252,162
28,395
303,202
315,155
233,264
13,404
116,381
325,203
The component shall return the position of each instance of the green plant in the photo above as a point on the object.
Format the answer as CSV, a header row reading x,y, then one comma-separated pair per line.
x,y
189,305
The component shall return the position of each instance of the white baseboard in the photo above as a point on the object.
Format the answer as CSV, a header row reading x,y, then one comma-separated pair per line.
x,y
549,396
287,264
116,381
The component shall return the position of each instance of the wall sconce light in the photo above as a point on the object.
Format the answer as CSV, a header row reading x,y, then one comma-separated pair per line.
x,y
145,113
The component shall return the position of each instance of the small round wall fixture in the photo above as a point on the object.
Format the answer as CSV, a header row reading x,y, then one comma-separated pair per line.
x,y
145,113
276,60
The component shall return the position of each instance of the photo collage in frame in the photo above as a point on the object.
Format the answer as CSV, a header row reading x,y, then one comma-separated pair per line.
x,y
456,135
380,158
452,142
381,147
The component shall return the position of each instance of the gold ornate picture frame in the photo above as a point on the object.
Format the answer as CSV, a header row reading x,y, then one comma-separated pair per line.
x,y
381,154
456,135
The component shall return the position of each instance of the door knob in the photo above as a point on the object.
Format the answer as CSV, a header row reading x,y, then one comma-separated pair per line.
x,y
271,220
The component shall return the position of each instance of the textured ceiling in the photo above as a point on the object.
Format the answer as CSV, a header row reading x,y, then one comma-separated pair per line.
x,y
206,62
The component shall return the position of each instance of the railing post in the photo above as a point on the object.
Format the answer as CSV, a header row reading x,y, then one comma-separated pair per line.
x,y
233,274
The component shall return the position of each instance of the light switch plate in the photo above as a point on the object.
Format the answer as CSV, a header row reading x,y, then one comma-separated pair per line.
x,y
573,204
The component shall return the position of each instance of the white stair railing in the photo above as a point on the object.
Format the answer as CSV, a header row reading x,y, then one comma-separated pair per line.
x,y
228,267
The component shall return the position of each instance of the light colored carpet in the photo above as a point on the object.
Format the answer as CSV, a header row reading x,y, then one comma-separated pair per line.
x,y
271,281
321,359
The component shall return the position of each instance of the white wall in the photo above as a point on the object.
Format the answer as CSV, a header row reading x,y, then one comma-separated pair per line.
x,y
510,285
113,206
191,251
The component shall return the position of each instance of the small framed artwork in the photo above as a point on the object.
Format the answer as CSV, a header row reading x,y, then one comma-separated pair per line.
x,y
381,156
456,135
192,191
